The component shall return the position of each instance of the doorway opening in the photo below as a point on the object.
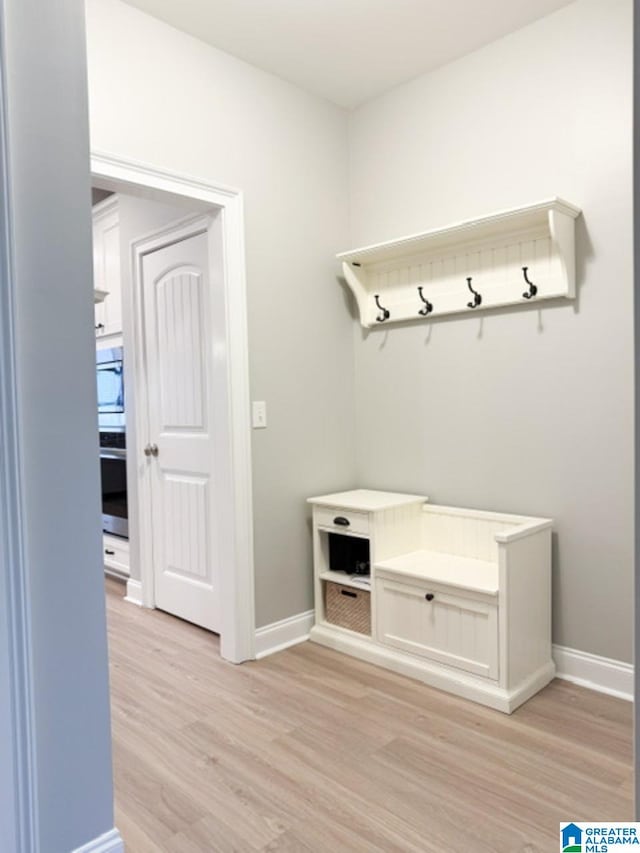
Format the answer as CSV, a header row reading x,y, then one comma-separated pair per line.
x,y
183,331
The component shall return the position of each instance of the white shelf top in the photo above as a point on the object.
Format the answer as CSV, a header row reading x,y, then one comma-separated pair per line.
x,y
481,227
459,572
366,500
346,580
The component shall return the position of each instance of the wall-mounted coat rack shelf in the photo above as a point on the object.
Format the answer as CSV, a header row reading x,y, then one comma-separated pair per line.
x,y
513,257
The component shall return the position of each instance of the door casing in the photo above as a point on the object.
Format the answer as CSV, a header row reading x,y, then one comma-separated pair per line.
x,y
227,281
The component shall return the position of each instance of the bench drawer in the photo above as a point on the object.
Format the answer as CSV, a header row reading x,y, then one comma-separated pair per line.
x,y
341,520
436,623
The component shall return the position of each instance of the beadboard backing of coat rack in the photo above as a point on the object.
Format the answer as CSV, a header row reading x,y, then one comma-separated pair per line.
x,y
491,250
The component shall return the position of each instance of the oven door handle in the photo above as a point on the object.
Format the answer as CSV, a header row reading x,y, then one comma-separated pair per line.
x,y
113,453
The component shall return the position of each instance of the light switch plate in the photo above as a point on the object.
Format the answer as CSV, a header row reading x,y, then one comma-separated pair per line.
x,y
259,414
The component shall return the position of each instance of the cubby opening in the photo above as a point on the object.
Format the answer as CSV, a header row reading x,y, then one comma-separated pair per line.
x,y
349,554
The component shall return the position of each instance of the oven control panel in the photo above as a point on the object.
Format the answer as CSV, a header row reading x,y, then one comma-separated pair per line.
x,y
113,439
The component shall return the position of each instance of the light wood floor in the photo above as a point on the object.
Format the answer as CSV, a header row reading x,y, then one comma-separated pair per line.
x,y
309,750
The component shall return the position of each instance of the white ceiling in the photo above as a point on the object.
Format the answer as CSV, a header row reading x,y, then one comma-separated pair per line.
x,y
348,50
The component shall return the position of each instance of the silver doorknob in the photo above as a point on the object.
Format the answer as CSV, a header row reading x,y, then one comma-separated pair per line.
x,y
154,450
147,450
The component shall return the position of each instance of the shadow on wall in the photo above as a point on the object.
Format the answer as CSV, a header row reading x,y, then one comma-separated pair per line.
x,y
584,253
349,299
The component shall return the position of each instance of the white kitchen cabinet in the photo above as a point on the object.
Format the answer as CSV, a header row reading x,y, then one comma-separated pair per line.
x,y
459,599
116,555
106,267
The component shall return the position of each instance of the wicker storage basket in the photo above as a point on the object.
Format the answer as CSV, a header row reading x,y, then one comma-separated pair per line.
x,y
348,607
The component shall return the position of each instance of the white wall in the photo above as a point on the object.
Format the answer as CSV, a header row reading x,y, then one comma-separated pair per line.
x,y
62,718
162,97
524,410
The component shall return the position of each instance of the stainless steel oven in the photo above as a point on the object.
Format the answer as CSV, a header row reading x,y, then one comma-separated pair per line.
x,y
113,473
113,440
110,384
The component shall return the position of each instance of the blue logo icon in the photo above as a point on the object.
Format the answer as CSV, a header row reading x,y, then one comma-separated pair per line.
x,y
571,838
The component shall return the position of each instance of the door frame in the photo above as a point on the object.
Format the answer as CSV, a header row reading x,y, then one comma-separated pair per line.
x,y
18,771
236,584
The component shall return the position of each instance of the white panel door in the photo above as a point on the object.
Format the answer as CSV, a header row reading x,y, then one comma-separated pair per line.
x,y
176,318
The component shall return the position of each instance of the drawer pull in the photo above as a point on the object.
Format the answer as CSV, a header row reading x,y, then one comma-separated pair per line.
x,y
348,593
109,552
341,520
429,596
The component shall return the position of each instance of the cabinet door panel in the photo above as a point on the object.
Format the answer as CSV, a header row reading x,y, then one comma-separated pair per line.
x,y
448,628
113,301
116,554
106,268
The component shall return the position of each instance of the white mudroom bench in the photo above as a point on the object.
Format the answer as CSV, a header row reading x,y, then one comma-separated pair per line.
x,y
457,598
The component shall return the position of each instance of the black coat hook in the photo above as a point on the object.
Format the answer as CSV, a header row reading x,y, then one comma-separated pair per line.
x,y
532,287
384,312
477,299
428,306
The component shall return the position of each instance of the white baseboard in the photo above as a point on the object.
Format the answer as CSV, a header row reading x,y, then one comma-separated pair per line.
x,y
593,671
110,842
134,592
597,673
115,574
280,635
450,679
